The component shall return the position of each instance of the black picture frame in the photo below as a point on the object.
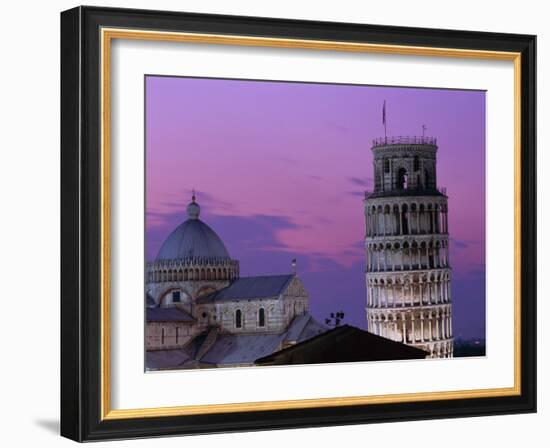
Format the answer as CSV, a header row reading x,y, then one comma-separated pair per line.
x,y
81,224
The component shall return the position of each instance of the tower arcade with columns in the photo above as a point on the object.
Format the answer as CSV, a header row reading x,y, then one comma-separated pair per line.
x,y
408,275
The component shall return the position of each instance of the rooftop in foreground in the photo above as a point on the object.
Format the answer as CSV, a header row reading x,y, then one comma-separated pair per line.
x,y
343,344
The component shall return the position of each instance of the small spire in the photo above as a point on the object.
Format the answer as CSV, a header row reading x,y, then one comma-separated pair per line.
x,y
193,209
293,266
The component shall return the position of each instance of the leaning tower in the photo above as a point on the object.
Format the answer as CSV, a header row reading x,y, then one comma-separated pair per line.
x,y
408,274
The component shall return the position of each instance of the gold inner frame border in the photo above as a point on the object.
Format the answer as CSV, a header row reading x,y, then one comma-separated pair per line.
x,y
107,35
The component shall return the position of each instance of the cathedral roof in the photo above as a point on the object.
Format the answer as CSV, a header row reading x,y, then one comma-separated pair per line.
x,y
168,315
166,359
260,287
303,327
193,239
231,349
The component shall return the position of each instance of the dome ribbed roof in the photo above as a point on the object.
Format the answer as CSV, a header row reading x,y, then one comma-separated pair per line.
x,y
193,239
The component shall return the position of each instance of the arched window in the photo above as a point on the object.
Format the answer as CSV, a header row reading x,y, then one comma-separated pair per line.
x,y
396,220
261,318
162,337
416,163
176,296
405,220
386,165
427,180
238,319
402,179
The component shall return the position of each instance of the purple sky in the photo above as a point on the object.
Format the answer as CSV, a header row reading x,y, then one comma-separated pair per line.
x,y
280,170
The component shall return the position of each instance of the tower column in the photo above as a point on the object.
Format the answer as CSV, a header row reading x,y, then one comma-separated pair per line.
x,y
371,224
369,292
372,258
428,259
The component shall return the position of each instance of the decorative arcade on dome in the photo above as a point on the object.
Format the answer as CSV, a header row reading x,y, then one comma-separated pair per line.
x,y
408,275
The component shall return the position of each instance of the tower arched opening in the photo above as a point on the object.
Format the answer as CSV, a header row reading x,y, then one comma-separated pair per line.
x,y
402,179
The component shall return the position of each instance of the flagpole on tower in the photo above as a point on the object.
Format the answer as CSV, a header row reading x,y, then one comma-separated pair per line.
x,y
384,121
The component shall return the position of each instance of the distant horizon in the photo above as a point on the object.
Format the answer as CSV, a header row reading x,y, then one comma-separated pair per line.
x,y
280,171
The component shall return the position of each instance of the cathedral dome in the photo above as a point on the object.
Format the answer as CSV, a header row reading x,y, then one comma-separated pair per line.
x,y
193,239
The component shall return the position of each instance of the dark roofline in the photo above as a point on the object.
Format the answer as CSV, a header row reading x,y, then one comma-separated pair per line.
x,y
342,329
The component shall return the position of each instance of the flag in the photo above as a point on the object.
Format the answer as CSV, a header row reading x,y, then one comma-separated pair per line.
x,y
384,113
